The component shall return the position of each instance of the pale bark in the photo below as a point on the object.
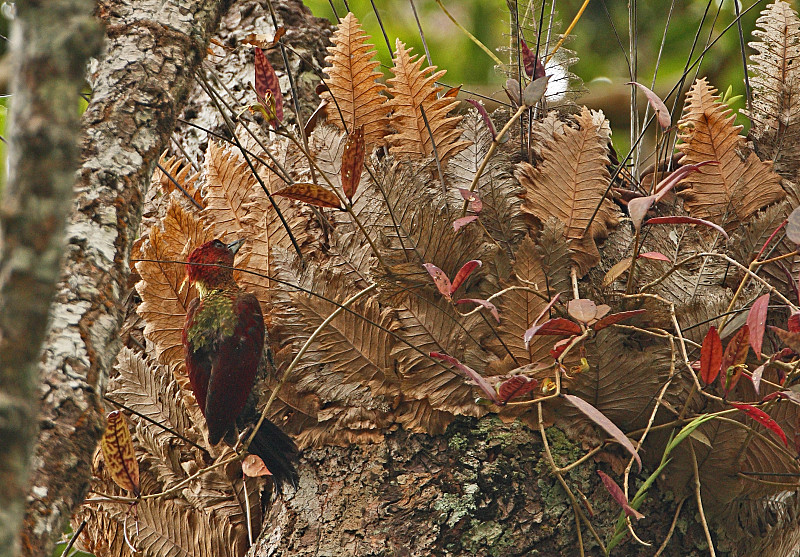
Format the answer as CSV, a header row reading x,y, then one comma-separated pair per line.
x,y
152,49
50,45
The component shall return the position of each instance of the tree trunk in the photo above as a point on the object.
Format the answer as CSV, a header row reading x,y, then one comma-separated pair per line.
x,y
141,83
50,45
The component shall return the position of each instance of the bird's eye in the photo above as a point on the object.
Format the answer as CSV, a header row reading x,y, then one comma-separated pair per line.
x,y
218,244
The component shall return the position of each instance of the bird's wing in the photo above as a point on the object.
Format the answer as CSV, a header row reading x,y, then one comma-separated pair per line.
x,y
198,360
235,366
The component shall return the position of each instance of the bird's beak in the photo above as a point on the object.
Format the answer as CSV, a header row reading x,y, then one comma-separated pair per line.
x,y
234,246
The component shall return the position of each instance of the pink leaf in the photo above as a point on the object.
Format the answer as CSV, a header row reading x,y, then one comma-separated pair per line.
x,y
619,496
637,209
656,256
266,81
463,221
656,103
254,467
488,305
464,272
764,419
475,203
757,321
439,279
615,318
599,418
582,309
793,226
515,387
756,377
533,66
469,372
687,220
734,356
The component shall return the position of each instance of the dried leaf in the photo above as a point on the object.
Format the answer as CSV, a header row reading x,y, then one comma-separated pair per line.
x,y
710,356
485,303
756,322
515,387
267,82
440,279
414,91
470,373
776,88
597,417
463,273
353,162
619,496
656,104
793,226
569,184
616,271
741,184
355,93
764,419
615,318
118,453
790,339
687,220
312,194
463,221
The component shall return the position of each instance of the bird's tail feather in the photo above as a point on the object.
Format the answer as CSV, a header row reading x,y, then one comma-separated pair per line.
x,y
279,453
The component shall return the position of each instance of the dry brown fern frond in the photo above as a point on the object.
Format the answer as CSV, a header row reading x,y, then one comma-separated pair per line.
x,y
499,192
178,170
741,184
776,88
164,301
569,184
353,85
414,92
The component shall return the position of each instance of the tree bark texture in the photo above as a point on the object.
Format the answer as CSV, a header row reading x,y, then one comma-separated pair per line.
x,y
484,488
140,84
50,45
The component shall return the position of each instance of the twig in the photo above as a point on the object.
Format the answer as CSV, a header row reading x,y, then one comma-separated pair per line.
x,y
700,502
74,538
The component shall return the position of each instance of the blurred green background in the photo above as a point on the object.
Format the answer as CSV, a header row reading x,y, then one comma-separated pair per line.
x,y
600,41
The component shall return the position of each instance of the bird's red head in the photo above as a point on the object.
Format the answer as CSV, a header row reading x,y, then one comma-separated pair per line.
x,y
209,266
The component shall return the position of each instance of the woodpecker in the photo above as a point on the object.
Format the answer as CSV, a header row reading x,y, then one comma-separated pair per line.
x,y
223,344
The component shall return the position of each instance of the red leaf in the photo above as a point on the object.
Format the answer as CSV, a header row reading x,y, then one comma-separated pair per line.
x,y
463,221
764,419
756,321
599,418
655,255
353,161
618,495
488,305
484,115
615,318
735,355
464,272
687,220
710,356
657,104
469,372
267,82
475,203
515,387
556,326
532,331
439,279
559,347
533,66
311,194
